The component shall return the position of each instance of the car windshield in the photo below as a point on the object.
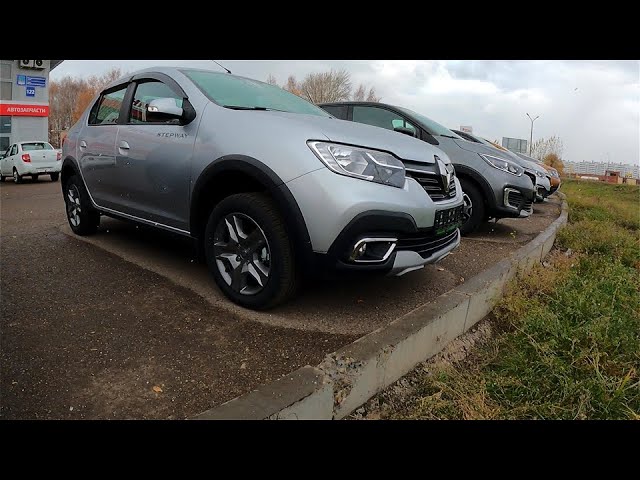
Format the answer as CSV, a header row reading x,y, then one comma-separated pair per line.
x,y
243,93
27,147
434,127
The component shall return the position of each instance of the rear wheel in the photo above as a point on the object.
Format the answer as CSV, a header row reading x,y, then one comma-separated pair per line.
x,y
83,218
54,177
248,251
1,178
34,178
16,176
473,210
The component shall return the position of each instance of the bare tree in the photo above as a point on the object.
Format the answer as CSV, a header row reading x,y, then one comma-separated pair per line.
x,y
271,80
545,146
360,94
63,95
331,86
372,96
292,86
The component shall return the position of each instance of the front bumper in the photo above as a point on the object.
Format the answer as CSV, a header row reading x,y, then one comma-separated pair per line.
x,y
413,249
333,204
409,260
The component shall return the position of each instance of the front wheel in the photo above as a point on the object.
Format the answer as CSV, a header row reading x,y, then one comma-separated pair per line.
x,y
248,251
473,210
83,218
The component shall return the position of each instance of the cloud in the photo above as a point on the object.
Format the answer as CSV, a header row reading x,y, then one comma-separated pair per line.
x,y
593,105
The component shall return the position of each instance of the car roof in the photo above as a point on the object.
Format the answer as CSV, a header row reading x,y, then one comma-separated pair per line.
x,y
171,71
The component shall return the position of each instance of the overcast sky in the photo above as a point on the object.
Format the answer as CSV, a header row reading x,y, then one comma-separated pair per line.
x,y
593,106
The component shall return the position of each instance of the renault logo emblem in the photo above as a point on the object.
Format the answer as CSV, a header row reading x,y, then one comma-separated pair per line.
x,y
445,174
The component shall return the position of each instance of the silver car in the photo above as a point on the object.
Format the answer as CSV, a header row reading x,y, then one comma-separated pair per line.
x,y
272,187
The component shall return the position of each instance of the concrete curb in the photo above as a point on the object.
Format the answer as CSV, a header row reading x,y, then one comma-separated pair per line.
x,y
350,376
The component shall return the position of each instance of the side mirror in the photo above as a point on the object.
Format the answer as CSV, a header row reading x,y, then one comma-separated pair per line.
x,y
163,109
407,131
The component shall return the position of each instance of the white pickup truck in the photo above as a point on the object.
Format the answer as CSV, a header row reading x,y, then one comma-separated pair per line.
x,y
32,159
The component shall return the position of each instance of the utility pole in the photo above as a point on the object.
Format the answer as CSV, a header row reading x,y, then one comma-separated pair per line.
x,y
531,134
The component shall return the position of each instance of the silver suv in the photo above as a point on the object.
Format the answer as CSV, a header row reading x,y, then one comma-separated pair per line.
x,y
271,186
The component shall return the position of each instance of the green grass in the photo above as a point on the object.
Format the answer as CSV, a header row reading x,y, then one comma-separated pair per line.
x,y
568,336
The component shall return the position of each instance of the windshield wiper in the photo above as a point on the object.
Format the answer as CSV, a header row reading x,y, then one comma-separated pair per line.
x,y
241,107
450,136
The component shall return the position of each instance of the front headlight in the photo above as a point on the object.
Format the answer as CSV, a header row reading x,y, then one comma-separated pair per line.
x,y
362,163
503,164
540,174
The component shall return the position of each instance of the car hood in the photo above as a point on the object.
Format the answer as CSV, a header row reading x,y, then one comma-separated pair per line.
x,y
536,167
488,150
342,131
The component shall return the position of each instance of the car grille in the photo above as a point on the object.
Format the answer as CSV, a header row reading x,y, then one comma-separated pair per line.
x,y
516,200
433,184
427,245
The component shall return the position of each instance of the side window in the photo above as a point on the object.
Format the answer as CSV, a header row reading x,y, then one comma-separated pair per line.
x,y
145,93
106,111
338,111
14,149
380,117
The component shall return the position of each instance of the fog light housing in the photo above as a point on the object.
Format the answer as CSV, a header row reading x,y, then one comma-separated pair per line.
x,y
372,250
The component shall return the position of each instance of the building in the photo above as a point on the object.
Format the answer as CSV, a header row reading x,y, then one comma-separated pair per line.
x,y
519,145
24,100
600,168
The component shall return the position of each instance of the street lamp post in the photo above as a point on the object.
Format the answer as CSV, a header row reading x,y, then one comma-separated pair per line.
x,y
531,134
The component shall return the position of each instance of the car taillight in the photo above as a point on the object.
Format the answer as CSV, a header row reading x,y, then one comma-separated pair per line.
x,y
26,157
58,156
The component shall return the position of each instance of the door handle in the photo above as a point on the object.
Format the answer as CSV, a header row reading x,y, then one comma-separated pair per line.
x,y
83,144
124,145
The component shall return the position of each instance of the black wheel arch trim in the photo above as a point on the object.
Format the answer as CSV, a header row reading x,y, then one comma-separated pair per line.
x,y
486,190
294,220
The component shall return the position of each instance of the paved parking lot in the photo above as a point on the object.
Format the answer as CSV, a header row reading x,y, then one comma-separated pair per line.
x,y
125,324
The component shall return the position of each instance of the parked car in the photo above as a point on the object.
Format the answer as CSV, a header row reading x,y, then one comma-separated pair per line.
x,y
494,186
555,177
538,174
32,158
269,185
544,172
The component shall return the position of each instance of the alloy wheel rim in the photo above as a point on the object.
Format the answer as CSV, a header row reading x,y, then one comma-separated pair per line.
x,y
73,205
467,209
15,176
242,253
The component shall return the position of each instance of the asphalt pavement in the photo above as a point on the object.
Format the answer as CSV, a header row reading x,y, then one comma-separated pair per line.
x,y
126,324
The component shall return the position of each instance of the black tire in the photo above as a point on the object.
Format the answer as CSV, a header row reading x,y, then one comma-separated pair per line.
x,y
257,210
17,178
54,177
86,220
1,178
34,178
477,207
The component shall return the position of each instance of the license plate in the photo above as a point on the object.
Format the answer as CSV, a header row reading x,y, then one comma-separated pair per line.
x,y
448,220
